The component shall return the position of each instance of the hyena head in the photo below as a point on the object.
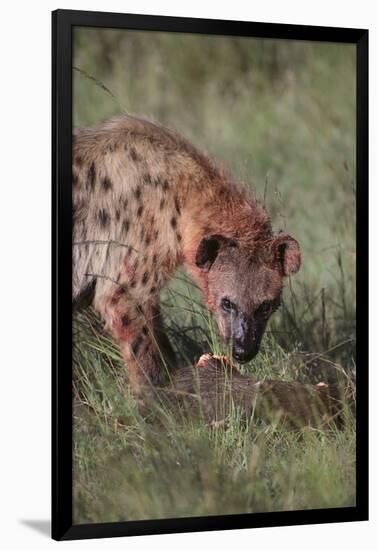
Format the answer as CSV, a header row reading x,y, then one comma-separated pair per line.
x,y
243,287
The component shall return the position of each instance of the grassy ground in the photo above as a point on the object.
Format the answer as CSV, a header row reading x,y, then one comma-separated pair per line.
x,y
280,115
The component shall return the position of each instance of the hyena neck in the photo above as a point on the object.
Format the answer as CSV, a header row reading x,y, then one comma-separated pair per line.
x,y
227,209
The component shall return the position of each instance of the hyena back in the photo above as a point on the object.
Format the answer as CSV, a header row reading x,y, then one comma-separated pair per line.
x,y
146,201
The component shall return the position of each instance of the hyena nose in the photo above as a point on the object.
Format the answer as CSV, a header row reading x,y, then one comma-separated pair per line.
x,y
243,351
244,342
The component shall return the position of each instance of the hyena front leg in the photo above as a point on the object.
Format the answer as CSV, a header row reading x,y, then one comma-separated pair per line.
x,y
137,330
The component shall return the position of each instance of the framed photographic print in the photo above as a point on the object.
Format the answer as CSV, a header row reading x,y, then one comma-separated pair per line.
x,y
210,241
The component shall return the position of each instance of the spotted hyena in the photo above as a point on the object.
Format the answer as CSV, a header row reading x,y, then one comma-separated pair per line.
x,y
147,201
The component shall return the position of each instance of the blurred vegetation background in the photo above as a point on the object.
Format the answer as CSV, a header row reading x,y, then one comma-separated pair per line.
x,y
281,116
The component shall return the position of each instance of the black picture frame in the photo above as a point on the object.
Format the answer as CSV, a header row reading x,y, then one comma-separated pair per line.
x,y
62,23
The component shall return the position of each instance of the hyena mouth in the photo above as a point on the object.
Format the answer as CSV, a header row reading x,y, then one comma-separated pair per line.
x,y
244,356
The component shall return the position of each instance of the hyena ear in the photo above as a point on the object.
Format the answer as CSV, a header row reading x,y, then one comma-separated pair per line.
x,y
287,254
208,250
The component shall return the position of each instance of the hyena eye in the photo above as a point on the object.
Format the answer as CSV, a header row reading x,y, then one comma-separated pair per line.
x,y
227,305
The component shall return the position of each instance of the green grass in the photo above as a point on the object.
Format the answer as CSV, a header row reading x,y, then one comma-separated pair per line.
x,y
281,116
169,463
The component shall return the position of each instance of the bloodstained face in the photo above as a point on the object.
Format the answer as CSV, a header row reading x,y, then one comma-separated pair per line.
x,y
244,287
